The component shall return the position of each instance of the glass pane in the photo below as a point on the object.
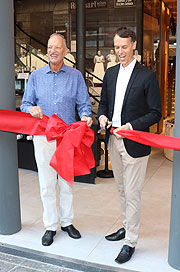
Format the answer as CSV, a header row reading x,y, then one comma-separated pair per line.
x,y
151,35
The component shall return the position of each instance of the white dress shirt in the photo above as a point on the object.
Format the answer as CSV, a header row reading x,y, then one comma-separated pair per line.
x,y
121,86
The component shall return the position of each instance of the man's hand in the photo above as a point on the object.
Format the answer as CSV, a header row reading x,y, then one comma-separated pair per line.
x,y
87,119
36,112
124,127
104,122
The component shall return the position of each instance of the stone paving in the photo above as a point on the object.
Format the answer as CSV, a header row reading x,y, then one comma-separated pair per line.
x,y
30,263
18,264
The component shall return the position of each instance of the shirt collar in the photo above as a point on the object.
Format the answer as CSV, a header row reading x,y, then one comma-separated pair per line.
x,y
48,69
130,67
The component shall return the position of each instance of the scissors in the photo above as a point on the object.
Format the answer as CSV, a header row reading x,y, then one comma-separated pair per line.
x,y
104,128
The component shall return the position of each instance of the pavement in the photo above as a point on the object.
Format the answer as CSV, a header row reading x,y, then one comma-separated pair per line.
x,y
17,259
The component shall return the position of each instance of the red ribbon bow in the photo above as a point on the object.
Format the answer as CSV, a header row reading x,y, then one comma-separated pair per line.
x,y
73,155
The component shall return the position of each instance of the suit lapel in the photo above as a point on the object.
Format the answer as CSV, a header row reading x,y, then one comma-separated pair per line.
x,y
114,81
131,80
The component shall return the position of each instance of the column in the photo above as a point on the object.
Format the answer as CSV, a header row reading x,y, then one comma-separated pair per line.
x,y
174,241
10,221
80,36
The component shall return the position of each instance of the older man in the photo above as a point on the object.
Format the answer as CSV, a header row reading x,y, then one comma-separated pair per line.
x,y
55,89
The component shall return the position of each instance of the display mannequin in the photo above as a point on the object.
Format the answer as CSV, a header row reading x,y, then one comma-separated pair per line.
x,y
70,57
37,62
138,57
111,59
149,60
23,58
98,67
41,63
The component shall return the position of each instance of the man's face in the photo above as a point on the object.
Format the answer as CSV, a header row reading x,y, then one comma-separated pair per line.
x,y
56,50
124,49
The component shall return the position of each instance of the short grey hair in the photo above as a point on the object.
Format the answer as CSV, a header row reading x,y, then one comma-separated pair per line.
x,y
58,35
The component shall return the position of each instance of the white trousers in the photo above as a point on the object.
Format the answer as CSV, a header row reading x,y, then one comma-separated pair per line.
x,y
48,180
129,174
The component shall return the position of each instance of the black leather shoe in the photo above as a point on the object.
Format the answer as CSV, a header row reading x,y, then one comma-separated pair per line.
x,y
72,231
47,238
125,254
116,236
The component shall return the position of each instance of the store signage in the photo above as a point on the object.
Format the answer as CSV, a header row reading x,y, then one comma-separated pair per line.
x,y
73,46
23,76
90,4
123,3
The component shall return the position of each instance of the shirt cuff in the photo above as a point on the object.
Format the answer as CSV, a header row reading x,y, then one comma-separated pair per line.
x,y
102,116
131,128
85,114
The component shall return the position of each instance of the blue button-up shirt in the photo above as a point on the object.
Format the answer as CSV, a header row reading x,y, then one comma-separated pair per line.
x,y
57,93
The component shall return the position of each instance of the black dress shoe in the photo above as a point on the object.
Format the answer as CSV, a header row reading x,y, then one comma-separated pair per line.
x,y
47,238
72,231
125,254
116,236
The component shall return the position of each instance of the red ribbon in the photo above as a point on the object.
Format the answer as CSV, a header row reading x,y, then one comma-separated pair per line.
x,y
73,155
151,139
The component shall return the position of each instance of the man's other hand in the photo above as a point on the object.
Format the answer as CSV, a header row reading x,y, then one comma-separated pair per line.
x,y
87,119
124,127
104,122
36,112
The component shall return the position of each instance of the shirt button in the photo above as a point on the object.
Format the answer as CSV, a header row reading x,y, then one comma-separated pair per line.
x,y
54,84
55,94
55,103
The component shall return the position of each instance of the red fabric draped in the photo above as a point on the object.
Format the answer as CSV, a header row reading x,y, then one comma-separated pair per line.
x,y
73,155
151,139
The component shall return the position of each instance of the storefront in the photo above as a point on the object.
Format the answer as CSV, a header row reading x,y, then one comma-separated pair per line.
x,y
149,19
103,17
23,18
